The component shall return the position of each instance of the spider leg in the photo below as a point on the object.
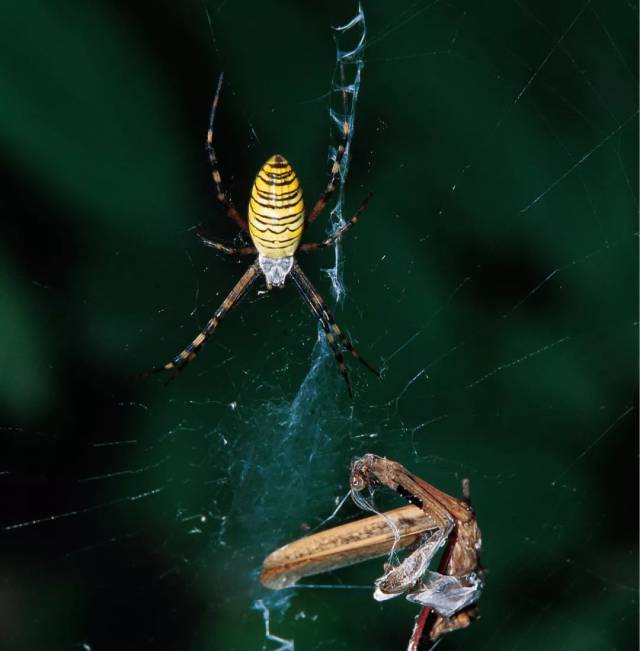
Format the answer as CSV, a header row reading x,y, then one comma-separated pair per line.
x,y
335,177
346,342
313,306
189,353
323,314
334,181
229,250
330,241
221,194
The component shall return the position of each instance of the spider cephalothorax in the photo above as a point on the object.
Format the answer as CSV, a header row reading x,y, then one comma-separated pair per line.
x,y
276,220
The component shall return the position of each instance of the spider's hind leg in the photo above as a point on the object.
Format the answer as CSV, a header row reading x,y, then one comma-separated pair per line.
x,y
191,351
346,342
319,308
342,367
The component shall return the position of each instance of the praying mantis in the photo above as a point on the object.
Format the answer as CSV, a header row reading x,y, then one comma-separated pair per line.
x,y
431,521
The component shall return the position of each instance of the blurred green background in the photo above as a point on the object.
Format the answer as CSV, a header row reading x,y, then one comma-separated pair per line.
x,y
493,278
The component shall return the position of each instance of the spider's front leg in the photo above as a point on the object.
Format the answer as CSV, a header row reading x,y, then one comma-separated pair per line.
x,y
221,194
335,174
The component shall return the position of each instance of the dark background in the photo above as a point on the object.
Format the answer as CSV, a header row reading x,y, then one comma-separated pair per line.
x,y
493,278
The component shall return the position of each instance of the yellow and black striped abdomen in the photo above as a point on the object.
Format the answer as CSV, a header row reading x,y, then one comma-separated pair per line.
x,y
276,209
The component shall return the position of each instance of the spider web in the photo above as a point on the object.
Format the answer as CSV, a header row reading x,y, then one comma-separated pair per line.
x,y
493,278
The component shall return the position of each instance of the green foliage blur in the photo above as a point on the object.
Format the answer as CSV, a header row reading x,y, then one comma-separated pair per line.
x,y
493,277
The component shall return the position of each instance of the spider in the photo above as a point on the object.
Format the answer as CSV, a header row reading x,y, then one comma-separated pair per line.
x,y
276,220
